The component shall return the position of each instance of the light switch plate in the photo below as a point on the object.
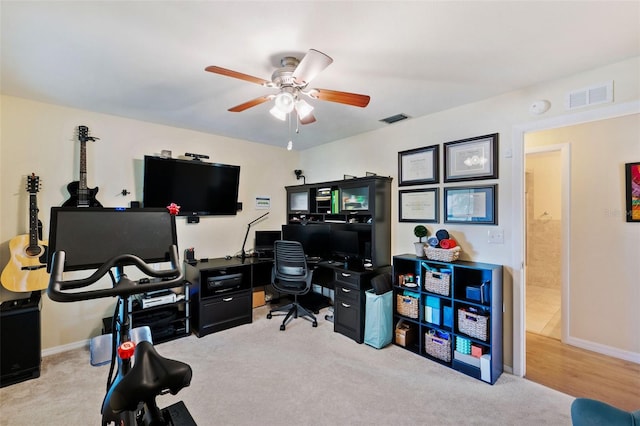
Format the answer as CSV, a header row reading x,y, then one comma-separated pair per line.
x,y
496,236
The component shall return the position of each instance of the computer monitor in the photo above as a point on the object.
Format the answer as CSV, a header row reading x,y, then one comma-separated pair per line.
x,y
315,238
264,242
345,244
92,236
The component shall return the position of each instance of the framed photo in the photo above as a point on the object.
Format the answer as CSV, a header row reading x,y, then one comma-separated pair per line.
x,y
471,159
419,166
632,177
471,205
419,205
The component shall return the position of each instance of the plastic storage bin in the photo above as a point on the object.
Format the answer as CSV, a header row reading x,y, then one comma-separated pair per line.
x,y
378,322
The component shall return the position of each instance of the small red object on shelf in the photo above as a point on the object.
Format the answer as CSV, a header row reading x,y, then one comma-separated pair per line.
x,y
173,208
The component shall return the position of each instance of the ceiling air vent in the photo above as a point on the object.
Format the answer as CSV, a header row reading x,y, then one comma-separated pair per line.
x,y
395,118
593,95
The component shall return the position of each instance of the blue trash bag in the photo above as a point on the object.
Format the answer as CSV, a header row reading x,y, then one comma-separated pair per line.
x,y
378,323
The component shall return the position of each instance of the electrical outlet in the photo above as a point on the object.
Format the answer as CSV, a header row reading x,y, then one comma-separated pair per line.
x,y
496,236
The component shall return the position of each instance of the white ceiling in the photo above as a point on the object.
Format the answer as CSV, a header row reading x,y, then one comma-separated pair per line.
x,y
145,59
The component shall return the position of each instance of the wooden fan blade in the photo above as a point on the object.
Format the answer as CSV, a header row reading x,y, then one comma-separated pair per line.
x,y
308,119
340,97
235,74
251,103
310,66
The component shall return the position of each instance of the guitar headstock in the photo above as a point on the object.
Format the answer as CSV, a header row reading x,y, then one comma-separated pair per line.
x,y
83,134
33,184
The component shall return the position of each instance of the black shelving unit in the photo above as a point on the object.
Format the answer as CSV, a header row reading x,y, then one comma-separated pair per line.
x,y
359,204
455,310
167,321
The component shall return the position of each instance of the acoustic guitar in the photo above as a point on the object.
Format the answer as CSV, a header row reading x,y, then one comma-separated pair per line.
x,y
80,195
27,267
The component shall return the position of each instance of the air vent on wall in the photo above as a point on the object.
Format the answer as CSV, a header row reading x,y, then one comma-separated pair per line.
x,y
593,95
395,118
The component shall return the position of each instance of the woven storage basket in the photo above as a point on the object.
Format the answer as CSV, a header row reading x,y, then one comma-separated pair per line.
x,y
472,324
407,306
437,347
435,282
443,255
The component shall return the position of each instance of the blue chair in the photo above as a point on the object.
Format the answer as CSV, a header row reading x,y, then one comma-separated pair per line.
x,y
589,412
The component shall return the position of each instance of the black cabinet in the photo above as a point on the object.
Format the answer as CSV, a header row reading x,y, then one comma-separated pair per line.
x,y
349,302
362,205
20,340
220,295
453,311
221,292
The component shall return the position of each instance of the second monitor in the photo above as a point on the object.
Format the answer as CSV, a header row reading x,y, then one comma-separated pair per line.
x,y
333,242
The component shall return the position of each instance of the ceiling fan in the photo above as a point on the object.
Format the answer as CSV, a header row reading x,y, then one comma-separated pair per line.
x,y
292,80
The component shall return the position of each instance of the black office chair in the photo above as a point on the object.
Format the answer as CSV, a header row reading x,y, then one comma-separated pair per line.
x,y
290,275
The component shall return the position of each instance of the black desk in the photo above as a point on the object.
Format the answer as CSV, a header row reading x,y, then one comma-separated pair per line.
x,y
218,309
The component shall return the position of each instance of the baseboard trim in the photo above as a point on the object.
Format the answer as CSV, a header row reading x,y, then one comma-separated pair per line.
x,y
604,349
64,348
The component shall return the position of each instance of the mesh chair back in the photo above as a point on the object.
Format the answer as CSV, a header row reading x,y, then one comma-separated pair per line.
x,y
290,261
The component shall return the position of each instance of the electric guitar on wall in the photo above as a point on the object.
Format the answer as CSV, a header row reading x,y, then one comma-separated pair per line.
x,y
80,195
27,267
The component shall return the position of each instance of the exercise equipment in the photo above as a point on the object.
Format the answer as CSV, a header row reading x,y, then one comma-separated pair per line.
x,y
131,395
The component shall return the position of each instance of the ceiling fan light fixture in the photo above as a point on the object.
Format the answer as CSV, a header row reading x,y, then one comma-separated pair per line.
x,y
277,113
303,108
285,102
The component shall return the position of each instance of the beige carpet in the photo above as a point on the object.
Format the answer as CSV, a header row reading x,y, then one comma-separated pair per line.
x,y
256,374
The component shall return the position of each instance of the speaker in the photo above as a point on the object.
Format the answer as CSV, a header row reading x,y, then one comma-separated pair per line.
x,y
20,340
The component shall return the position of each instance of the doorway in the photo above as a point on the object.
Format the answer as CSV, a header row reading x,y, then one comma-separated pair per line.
x,y
543,246
519,135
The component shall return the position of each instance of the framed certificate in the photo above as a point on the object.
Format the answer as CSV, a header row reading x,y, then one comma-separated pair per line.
x,y
471,159
419,205
471,205
419,166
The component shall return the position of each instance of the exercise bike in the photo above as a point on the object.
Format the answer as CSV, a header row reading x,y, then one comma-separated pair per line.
x,y
131,395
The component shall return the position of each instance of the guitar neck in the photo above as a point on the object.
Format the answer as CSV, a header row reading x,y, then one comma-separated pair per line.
x,y
33,220
83,165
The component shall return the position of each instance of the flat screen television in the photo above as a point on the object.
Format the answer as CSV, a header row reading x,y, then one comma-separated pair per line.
x,y
198,187
92,236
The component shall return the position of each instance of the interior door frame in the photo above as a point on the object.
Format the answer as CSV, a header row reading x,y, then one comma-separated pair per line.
x,y
518,208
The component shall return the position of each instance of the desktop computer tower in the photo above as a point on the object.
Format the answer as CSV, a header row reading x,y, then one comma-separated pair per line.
x,y
20,340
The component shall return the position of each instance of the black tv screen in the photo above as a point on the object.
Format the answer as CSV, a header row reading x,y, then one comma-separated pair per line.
x,y
198,187
91,236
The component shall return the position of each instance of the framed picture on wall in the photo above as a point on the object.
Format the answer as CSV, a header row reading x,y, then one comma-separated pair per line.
x,y
419,205
471,159
473,205
419,166
632,178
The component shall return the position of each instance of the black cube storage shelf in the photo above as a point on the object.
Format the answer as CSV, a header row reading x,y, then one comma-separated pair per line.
x,y
459,314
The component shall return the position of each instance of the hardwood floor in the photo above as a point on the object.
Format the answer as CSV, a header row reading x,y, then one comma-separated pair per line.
x,y
582,373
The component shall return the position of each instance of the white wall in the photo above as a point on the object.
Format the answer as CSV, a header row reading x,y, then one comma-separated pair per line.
x,y
40,138
377,152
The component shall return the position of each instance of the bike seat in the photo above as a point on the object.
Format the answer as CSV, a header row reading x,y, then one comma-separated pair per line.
x,y
150,375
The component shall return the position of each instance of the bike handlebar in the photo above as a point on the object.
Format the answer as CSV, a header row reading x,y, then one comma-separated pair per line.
x,y
57,289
